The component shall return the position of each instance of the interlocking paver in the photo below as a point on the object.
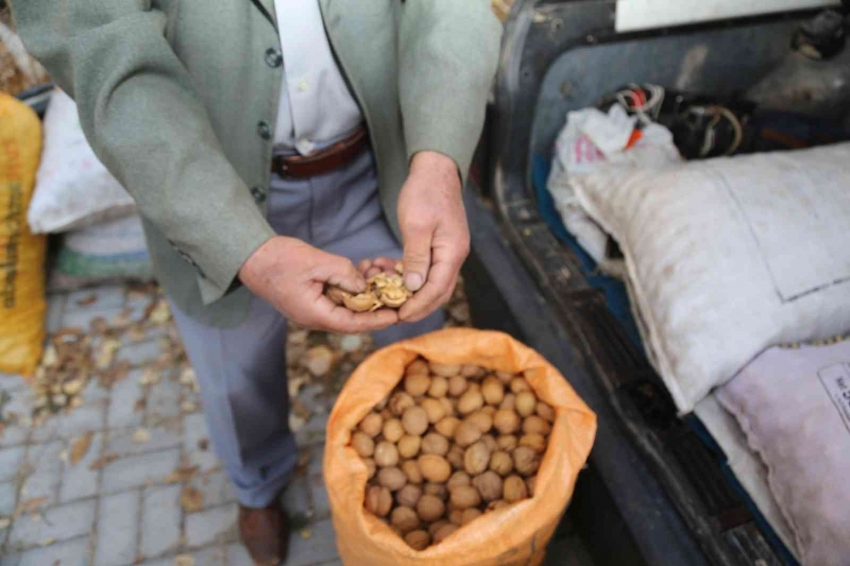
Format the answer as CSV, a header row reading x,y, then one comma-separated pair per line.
x,y
317,454
118,525
69,553
238,556
79,480
16,412
211,525
160,519
55,311
139,353
319,496
90,416
62,522
295,497
216,487
164,399
135,471
211,556
8,492
43,471
10,461
122,404
124,442
319,547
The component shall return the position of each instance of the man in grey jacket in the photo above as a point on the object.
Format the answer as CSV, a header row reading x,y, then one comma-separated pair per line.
x,y
271,145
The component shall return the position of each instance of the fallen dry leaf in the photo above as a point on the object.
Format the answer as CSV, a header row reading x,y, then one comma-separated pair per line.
x,y
104,460
91,299
306,534
184,560
150,377
181,474
295,383
136,333
122,320
30,506
4,523
106,353
318,360
191,499
80,447
48,541
73,386
141,436
188,406
161,313
51,357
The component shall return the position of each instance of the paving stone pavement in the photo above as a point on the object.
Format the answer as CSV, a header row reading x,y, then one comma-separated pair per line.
x,y
117,505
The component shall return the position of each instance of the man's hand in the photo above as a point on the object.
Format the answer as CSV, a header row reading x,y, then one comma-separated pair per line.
x,y
436,235
291,275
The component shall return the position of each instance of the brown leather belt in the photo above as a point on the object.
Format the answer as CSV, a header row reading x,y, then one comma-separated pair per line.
x,y
322,161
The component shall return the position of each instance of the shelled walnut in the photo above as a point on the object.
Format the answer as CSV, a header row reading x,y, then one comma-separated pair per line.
x,y
384,290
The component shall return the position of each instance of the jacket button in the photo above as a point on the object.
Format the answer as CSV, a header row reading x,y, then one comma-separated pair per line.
x,y
274,58
264,130
259,194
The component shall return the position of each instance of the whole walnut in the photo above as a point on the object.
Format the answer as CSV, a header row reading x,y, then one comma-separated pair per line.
x,y
466,496
455,456
415,421
436,489
526,460
458,479
447,426
489,485
379,500
392,478
434,409
439,387
444,532
476,459
493,391
467,433
514,489
363,444
430,508
535,441
435,443
386,454
506,421
393,430
372,424
400,402
418,540
502,463
469,515
405,519
417,385
411,470
434,468
409,495
409,445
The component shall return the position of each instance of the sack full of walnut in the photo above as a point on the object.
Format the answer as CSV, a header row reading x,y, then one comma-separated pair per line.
x,y
22,305
457,448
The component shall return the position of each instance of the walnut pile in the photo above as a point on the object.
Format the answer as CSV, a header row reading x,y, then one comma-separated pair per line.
x,y
385,290
448,445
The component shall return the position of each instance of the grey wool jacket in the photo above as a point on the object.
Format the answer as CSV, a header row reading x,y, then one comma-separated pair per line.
x,y
179,98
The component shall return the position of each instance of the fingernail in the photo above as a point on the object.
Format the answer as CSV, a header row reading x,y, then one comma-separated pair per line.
x,y
413,281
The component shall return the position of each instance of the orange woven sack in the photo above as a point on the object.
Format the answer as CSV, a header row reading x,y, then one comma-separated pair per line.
x,y
514,535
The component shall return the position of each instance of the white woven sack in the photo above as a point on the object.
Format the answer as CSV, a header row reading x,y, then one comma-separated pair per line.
x,y
726,257
73,189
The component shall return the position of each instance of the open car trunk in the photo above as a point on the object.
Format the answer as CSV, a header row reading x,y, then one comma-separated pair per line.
x,y
657,490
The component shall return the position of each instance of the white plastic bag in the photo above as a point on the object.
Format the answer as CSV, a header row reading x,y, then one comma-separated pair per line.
x,y
591,140
73,189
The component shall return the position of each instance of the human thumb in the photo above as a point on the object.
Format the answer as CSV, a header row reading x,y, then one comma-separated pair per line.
x,y
417,259
340,272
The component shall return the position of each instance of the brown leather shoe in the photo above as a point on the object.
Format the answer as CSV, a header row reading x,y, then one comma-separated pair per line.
x,y
265,533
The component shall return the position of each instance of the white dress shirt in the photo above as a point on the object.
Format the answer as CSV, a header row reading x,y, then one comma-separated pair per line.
x,y
316,107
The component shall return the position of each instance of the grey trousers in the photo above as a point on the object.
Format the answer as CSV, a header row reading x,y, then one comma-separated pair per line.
x,y
242,370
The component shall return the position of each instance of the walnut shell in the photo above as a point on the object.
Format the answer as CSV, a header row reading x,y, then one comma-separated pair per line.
x,y
439,387
417,385
418,540
444,532
405,519
400,402
534,441
457,386
435,443
445,370
526,403
363,444
362,302
409,495
378,501
336,294
434,409
506,421
467,434
466,496
411,470
507,442
489,485
493,391
526,460
415,421
430,508
546,412
408,446
372,424
386,454
535,424
502,463
476,458
393,430
470,515
447,426
481,420
437,490
470,402
514,489
455,456
519,384
392,478
458,479
434,468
